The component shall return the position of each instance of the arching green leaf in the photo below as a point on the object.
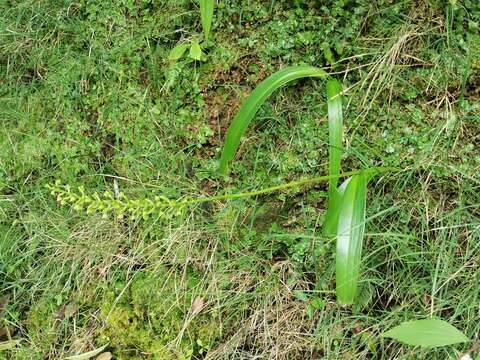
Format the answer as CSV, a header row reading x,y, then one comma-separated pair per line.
x,y
251,105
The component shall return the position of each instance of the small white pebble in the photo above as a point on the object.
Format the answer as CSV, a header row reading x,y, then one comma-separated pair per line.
x,y
466,357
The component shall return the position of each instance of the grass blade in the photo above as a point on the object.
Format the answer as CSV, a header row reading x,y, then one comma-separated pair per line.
x,y
10,344
251,105
206,15
335,134
350,230
87,355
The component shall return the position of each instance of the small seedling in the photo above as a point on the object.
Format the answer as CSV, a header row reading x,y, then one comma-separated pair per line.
x,y
195,53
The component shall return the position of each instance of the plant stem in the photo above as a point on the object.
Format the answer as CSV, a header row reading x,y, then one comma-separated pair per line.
x,y
308,181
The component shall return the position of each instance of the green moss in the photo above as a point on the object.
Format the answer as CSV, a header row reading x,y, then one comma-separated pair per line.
x,y
42,327
148,319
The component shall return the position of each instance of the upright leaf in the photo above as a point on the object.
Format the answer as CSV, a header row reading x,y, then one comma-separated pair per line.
x,y
335,132
206,15
335,129
334,205
426,333
251,105
177,52
195,50
350,230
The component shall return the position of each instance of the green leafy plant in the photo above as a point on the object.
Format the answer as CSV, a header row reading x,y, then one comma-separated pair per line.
x,y
120,204
427,333
345,217
180,49
195,53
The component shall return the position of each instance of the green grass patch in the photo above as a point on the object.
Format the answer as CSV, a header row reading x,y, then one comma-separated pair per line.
x,y
89,96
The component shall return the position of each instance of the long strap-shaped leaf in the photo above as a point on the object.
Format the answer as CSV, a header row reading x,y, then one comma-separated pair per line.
x,y
250,107
335,132
350,230
335,129
206,15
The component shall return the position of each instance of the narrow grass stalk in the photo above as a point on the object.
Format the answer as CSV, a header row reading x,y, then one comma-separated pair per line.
x,y
289,185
